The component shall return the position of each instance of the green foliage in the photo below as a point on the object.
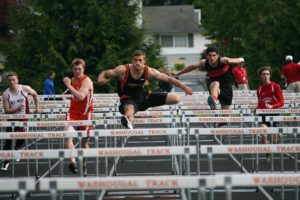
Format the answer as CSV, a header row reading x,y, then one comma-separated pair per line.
x,y
49,34
263,32
178,66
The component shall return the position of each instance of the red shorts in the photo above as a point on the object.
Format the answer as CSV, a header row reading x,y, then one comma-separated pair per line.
x,y
75,117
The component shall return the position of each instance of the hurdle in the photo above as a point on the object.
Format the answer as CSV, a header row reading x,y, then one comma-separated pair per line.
x,y
211,150
61,154
49,135
199,183
19,185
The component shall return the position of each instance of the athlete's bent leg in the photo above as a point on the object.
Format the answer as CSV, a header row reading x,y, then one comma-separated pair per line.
x,y
215,89
172,99
129,112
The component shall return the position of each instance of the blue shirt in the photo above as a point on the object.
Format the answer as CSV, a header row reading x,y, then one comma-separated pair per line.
x,y
49,87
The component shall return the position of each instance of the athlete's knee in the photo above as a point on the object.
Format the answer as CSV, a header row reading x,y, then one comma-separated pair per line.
x,y
214,84
172,99
129,107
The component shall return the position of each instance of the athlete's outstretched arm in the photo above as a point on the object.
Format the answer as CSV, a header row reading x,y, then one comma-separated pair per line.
x,y
104,76
227,60
153,73
191,67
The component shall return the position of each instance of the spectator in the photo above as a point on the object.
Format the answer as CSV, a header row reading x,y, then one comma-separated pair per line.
x,y
49,84
240,76
290,73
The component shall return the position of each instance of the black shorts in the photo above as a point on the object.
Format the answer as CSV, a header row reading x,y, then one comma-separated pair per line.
x,y
275,124
152,100
226,93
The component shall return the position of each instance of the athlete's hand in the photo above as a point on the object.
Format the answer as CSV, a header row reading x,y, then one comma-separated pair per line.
x,y
268,106
224,60
67,81
188,90
103,80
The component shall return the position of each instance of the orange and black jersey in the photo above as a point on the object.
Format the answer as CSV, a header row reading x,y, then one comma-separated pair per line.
x,y
219,70
127,91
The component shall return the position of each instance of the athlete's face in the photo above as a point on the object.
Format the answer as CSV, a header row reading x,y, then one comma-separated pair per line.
x,y
212,57
138,62
78,70
12,81
265,76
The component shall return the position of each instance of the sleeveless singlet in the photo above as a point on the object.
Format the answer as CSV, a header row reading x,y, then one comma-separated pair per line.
x,y
21,98
83,107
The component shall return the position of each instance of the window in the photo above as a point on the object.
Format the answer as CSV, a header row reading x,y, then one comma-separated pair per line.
x,y
179,40
167,41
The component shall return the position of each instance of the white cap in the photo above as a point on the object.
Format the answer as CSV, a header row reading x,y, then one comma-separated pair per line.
x,y
242,60
289,58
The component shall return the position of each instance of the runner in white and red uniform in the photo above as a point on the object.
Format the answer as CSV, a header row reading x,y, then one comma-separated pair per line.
x,y
81,90
15,101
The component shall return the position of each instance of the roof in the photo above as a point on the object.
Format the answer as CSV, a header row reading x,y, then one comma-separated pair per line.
x,y
170,19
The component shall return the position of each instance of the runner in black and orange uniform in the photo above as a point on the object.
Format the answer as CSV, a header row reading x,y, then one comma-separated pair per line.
x,y
220,79
132,79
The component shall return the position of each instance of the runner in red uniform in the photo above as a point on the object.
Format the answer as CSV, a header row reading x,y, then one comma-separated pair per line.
x,y
269,96
81,89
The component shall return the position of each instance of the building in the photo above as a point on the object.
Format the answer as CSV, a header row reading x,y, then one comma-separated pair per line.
x,y
178,30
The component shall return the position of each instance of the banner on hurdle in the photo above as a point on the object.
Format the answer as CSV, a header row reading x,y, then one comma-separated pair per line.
x,y
168,182
98,152
250,149
138,132
40,135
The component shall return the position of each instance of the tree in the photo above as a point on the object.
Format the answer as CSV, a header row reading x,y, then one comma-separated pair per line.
x,y
261,31
51,33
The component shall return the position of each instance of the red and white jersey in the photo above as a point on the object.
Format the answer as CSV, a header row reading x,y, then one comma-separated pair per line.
x,y
20,98
270,94
81,107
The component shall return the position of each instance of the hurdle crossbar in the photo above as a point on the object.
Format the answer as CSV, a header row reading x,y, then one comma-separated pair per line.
x,y
168,182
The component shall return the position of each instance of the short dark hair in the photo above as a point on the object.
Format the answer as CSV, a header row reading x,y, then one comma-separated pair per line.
x,y
212,49
259,71
138,53
78,61
51,73
11,74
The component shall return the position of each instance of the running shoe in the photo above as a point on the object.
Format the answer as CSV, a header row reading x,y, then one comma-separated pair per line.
x,y
268,158
125,122
17,148
211,102
73,168
5,165
84,171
